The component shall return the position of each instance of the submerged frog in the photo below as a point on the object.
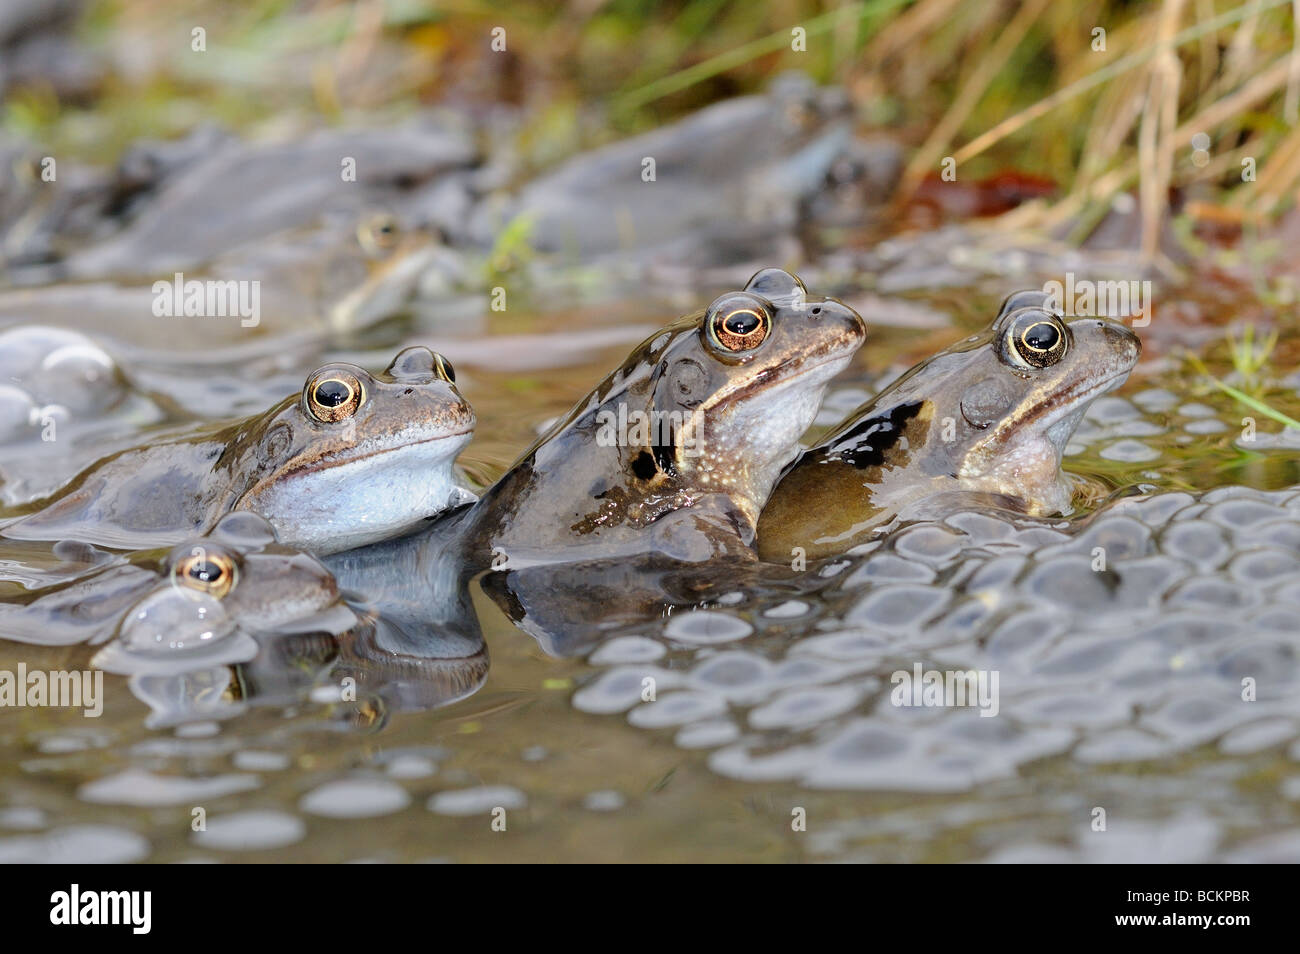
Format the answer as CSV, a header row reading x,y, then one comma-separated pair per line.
x,y
727,182
353,459
677,450
197,605
296,183
987,418
300,286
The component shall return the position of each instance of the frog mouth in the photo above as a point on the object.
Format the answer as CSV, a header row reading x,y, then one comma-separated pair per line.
x,y
1078,397
343,458
792,371
348,459
1057,417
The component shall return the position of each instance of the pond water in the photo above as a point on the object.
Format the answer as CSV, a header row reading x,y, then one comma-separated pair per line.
x,y
771,735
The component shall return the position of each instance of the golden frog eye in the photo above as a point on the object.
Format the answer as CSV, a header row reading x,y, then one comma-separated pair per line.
x,y
378,234
444,368
334,395
738,323
205,570
1038,338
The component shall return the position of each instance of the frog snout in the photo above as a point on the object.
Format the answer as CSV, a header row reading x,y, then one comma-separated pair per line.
x,y
837,313
1122,341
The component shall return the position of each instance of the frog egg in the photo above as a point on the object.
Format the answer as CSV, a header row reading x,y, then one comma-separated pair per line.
x,y
22,348
174,621
83,376
17,411
57,364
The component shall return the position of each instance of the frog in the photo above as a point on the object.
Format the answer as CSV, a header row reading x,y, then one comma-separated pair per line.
x,y
196,604
731,387
720,186
306,287
354,458
986,420
676,451
297,182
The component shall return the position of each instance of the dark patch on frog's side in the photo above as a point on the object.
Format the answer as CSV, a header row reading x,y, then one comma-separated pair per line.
x,y
848,467
619,505
870,442
650,491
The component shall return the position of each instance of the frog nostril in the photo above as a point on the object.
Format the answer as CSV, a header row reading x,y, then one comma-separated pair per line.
x,y
816,310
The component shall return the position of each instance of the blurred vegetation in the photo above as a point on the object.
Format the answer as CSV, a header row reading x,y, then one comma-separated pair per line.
x,y
1098,96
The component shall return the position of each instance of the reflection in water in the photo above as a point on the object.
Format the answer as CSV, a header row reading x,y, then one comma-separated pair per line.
x,y
422,646
571,608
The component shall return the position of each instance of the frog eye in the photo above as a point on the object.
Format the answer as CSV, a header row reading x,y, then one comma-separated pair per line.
x,y
737,323
206,570
334,395
378,234
1037,339
444,368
